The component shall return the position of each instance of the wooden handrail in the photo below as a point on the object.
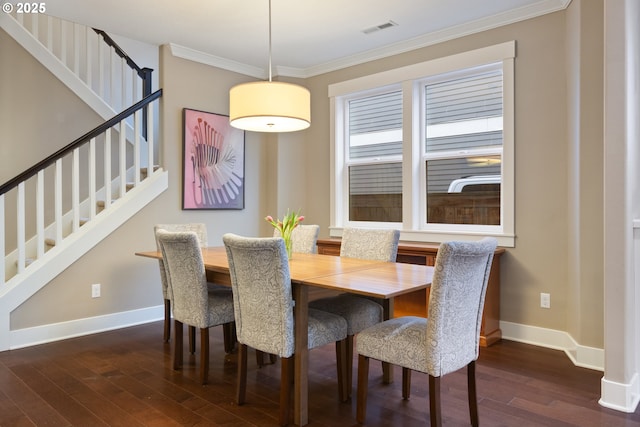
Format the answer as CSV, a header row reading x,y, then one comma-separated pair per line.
x,y
33,170
121,53
143,73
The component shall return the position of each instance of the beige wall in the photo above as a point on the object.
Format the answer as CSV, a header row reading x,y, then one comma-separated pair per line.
x,y
292,171
539,261
24,88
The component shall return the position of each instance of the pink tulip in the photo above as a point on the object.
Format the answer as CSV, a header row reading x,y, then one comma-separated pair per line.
x,y
301,218
269,218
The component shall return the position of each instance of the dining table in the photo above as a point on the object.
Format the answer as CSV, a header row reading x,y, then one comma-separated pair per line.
x,y
379,279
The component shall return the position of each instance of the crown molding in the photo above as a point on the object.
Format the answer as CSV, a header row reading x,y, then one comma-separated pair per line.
x,y
495,21
216,61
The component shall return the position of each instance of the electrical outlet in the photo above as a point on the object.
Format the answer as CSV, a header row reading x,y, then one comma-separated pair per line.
x,y
95,290
545,300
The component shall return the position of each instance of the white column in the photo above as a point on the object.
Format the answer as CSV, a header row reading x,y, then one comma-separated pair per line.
x,y
620,384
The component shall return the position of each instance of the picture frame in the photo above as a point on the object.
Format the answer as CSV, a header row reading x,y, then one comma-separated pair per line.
x,y
213,162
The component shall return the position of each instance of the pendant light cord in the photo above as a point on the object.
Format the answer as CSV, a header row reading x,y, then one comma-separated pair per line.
x,y
269,40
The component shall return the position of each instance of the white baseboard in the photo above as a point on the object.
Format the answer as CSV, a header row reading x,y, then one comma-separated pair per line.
x,y
583,356
619,396
60,331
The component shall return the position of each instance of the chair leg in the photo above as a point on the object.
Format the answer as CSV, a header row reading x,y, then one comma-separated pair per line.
x,y
260,355
363,384
344,387
167,320
285,389
434,401
241,391
260,358
177,347
228,330
204,355
349,364
473,397
406,383
192,339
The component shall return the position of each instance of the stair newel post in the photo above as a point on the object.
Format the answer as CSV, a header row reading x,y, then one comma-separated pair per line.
x,y
146,76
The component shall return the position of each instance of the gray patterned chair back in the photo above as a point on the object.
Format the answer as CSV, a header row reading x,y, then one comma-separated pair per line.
x,y
186,276
304,238
201,232
262,297
371,244
455,304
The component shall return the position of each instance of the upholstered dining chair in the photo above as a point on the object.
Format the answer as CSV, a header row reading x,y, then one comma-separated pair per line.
x,y
360,312
262,295
193,303
201,231
304,238
445,342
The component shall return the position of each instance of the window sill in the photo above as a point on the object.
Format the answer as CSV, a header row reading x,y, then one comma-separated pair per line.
x,y
504,240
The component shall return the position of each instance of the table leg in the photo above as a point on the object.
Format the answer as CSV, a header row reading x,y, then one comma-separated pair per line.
x,y
301,386
387,369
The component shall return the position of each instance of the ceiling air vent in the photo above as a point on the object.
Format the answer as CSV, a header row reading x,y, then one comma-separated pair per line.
x,y
380,27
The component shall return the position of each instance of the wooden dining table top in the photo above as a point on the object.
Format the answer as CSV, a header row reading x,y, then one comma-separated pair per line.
x,y
365,277
379,279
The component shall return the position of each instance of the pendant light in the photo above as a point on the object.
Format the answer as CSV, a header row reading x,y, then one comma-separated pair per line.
x,y
268,106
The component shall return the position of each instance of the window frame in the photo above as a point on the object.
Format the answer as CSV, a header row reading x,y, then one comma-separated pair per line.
x,y
412,80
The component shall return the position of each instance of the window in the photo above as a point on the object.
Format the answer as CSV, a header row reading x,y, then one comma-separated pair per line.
x,y
374,157
428,148
462,152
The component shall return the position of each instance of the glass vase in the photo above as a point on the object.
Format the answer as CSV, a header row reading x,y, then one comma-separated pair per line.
x,y
288,244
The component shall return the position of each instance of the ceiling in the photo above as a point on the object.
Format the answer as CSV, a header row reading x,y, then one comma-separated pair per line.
x,y
309,37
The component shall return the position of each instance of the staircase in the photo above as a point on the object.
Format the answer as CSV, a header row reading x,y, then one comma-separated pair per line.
x,y
67,203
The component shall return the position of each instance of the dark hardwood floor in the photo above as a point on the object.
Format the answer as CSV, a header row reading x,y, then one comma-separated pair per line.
x,y
124,378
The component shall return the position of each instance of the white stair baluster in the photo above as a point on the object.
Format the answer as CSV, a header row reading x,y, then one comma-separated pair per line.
x,y
134,87
107,167
63,43
89,56
58,201
20,224
92,178
136,147
112,89
75,190
150,140
76,49
50,33
2,243
123,158
101,66
123,84
34,26
40,214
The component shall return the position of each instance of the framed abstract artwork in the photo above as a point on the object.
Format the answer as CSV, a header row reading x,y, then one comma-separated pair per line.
x,y
213,162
